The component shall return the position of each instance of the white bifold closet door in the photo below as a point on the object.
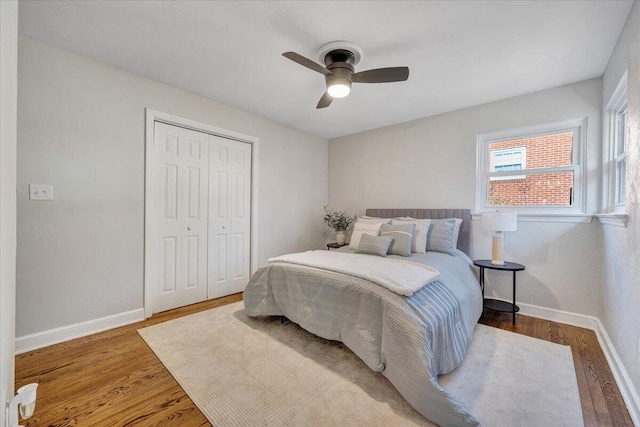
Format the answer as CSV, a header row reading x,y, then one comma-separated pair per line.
x,y
180,182
229,216
200,217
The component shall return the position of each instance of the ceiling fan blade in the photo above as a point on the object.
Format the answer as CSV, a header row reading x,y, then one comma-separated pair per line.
x,y
382,75
306,62
325,101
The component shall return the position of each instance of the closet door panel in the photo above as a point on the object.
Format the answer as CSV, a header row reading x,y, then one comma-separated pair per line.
x,y
230,198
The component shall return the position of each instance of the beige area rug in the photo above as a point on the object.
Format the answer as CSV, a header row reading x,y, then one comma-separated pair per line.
x,y
242,371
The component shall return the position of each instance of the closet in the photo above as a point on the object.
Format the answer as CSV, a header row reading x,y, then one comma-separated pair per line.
x,y
200,216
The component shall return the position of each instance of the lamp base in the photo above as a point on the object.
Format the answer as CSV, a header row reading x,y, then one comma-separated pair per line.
x,y
497,248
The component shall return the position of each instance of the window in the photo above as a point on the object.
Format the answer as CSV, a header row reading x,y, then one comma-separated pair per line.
x,y
534,170
615,156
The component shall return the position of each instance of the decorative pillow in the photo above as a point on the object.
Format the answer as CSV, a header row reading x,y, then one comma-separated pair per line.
x,y
361,228
348,232
440,237
373,220
374,245
419,242
402,238
364,219
456,232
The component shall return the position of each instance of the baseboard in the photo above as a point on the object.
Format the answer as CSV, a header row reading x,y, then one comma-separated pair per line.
x,y
626,387
65,333
560,316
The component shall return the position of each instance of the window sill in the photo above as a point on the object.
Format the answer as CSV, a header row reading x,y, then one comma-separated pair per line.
x,y
542,217
615,219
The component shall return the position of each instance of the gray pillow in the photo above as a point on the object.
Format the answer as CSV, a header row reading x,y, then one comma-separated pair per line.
x,y
440,236
374,245
402,238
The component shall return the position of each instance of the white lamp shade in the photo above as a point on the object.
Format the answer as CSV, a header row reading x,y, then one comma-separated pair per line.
x,y
500,221
339,88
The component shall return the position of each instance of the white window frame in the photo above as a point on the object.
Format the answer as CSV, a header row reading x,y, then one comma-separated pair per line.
x,y
612,161
578,166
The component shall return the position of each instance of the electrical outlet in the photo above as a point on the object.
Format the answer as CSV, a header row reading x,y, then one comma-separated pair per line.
x,y
40,192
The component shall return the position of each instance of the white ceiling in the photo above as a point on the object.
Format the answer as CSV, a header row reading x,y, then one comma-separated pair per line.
x,y
460,53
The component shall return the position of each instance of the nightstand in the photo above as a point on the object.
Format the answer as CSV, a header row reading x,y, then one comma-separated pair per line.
x,y
334,246
497,305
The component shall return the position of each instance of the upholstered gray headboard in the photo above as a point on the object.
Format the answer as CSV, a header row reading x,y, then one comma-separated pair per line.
x,y
464,239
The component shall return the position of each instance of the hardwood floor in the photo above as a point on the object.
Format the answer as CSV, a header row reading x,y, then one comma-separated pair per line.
x,y
114,379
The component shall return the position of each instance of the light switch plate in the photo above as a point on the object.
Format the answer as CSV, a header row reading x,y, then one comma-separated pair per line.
x,y
40,192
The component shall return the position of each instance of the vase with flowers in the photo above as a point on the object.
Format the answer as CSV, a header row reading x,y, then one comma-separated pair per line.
x,y
339,221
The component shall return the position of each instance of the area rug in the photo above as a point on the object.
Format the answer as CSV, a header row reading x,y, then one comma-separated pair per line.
x,y
242,371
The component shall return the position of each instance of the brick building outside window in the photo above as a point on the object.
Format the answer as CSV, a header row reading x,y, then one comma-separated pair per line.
x,y
553,189
538,169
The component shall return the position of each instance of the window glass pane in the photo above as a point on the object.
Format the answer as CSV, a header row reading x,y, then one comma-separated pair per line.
x,y
508,159
620,132
511,167
621,182
547,189
532,152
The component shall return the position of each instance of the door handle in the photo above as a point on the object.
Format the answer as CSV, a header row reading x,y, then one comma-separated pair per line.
x,y
224,227
189,228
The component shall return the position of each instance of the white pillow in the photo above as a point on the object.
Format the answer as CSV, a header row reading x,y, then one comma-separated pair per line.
x,y
364,220
374,220
361,228
419,242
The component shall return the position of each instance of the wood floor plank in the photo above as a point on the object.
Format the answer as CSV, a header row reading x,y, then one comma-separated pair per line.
x,y
588,411
114,379
609,389
596,392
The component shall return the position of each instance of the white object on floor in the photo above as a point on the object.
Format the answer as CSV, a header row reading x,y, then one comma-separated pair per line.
x,y
247,371
515,380
24,402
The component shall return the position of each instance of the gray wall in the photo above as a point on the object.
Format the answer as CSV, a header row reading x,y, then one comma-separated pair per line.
x,y
81,128
621,246
8,111
431,163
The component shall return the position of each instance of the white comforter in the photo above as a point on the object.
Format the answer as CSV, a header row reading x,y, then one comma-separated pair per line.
x,y
399,276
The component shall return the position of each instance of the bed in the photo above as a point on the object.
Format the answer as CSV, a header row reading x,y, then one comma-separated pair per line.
x,y
409,339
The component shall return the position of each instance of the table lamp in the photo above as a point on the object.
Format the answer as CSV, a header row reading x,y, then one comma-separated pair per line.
x,y
499,222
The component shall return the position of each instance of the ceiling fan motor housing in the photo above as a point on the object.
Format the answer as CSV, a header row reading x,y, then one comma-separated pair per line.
x,y
341,73
339,55
340,63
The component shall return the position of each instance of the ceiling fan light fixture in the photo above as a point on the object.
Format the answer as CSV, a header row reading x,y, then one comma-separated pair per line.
x,y
339,88
339,72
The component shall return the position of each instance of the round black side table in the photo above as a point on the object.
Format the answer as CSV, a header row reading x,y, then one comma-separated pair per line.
x,y
334,246
493,304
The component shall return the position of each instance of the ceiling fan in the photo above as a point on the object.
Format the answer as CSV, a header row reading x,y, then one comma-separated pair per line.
x,y
340,58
